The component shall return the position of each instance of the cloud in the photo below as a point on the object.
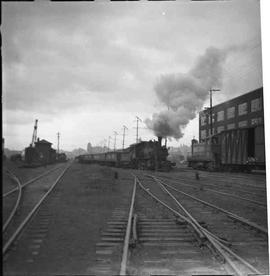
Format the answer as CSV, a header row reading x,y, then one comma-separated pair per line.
x,y
65,58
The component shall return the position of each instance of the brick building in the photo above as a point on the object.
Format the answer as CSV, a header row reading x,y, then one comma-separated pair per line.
x,y
243,111
46,153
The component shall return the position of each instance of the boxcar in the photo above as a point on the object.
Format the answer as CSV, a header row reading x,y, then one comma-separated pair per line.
x,y
236,149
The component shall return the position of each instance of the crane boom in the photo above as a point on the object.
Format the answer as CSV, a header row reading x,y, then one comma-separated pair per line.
x,y
34,136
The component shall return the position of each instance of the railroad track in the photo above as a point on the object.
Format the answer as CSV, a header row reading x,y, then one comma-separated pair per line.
x,y
157,235
222,210
247,243
257,195
27,204
11,191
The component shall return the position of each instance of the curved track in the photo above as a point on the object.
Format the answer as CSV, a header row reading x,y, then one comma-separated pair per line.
x,y
24,210
212,222
228,213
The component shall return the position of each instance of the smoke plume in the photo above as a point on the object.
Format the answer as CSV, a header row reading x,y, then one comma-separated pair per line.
x,y
184,94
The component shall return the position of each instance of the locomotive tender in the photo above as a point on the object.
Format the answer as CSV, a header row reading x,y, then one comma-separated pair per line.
x,y
241,149
149,155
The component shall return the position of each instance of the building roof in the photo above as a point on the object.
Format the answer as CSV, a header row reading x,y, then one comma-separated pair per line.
x,y
43,141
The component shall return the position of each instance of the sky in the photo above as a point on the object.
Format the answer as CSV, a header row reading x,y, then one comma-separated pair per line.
x,y
86,69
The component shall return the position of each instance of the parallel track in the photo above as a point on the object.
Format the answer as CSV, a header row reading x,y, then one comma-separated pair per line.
x,y
259,203
13,227
237,264
228,213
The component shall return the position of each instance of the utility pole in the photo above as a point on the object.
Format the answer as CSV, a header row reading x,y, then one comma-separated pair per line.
x,y
114,147
34,136
124,133
211,119
104,145
58,136
109,140
137,128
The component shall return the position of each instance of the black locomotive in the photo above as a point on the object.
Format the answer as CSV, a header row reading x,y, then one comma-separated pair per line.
x,y
146,155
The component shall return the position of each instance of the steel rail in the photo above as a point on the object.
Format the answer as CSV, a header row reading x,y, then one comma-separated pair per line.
x,y
223,186
30,181
31,213
241,185
229,214
206,232
215,242
16,204
262,205
123,267
211,240
201,235
189,215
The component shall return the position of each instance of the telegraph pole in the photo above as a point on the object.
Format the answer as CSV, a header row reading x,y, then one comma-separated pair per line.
x,y
115,133
124,133
137,128
211,120
109,140
58,136
104,145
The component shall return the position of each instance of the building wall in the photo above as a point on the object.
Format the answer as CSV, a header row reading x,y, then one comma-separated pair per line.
x,y
44,151
243,111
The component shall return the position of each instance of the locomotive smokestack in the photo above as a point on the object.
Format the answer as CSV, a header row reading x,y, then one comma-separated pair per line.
x,y
159,140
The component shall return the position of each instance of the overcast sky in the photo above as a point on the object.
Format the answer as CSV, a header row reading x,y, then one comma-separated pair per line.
x,y
86,69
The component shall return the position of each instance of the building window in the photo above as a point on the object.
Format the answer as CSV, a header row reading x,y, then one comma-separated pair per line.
x,y
231,112
220,116
256,121
203,134
213,118
242,124
231,126
203,119
242,109
256,105
220,128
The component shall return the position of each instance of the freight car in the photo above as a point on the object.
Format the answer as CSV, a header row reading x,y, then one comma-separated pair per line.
x,y
240,149
149,155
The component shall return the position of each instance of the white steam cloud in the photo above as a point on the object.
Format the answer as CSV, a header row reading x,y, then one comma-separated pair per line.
x,y
184,94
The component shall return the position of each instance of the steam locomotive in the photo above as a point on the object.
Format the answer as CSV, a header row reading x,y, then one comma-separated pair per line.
x,y
145,155
231,150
